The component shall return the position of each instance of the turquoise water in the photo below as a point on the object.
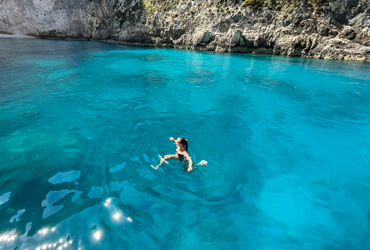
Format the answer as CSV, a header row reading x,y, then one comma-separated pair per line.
x,y
287,142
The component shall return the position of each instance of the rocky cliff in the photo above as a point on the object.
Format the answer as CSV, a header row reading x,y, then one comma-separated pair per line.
x,y
329,29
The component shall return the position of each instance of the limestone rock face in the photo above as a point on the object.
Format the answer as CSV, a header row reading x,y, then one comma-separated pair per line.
x,y
55,18
338,29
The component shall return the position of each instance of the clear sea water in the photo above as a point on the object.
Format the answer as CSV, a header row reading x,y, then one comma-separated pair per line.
x,y
287,142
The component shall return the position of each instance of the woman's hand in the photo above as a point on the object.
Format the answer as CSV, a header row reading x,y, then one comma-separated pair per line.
x,y
172,139
190,169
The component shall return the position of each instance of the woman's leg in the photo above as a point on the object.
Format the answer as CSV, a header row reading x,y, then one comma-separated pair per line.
x,y
166,157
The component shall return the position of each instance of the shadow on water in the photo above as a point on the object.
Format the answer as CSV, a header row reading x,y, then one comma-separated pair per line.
x,y
19,122
28,196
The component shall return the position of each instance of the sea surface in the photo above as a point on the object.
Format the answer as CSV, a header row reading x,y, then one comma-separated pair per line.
x,y
287,141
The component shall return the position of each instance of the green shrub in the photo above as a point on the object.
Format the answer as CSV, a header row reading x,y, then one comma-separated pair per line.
x,y
316,4
254,3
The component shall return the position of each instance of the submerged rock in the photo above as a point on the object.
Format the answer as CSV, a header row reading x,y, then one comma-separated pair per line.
x,y
38,149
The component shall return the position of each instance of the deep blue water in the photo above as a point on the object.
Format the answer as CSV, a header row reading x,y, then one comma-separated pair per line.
x,y
287,142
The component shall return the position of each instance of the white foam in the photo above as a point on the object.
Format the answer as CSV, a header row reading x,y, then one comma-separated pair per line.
x,y
203,162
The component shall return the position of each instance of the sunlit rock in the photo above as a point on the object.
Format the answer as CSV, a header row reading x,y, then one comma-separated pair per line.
x,y
95,192
4,198
16,217
53,197
117,168
62,177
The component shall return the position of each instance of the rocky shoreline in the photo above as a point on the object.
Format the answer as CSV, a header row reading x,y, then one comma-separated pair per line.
x,y
15,36
337,30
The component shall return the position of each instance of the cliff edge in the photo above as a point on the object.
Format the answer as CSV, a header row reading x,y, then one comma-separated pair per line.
x,y
327,29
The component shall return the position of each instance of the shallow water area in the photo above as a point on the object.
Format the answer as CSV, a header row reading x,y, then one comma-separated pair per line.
x,y
287,141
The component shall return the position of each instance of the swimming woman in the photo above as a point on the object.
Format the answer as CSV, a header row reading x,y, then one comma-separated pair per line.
x,y
181,153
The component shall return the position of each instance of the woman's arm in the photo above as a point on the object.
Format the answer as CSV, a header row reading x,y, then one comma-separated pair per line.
x,y
190,162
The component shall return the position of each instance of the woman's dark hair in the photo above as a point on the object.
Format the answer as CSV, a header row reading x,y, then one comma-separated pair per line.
x,y
184,142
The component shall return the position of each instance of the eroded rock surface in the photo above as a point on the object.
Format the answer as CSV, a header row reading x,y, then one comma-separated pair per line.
x,y
334,30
